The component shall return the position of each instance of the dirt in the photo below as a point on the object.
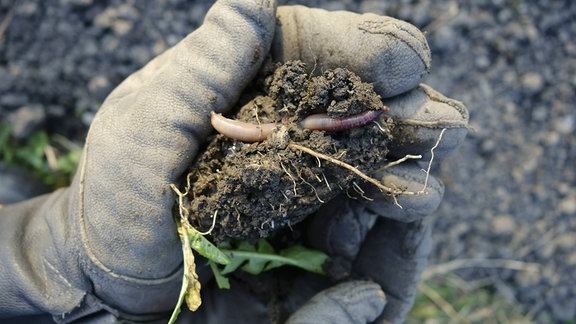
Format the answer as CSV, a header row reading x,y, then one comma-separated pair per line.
x,y
255,189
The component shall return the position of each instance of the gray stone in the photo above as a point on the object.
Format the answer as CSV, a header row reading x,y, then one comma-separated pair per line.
x,y
26,120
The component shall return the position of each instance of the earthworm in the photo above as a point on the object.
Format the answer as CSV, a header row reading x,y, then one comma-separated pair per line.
x,y
323,122
241,131
247,132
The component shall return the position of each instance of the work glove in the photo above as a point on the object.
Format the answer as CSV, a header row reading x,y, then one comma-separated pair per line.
x,y
106,248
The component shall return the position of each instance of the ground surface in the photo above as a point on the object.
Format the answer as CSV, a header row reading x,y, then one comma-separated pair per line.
x,y
511,188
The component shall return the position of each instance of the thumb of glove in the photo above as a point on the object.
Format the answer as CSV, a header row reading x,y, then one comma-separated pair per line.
x,y
388,52
150,128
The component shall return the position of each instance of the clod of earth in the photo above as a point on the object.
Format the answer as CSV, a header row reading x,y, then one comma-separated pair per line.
x,y
257,188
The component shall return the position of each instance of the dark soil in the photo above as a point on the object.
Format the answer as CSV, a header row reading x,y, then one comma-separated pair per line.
x,y
257,188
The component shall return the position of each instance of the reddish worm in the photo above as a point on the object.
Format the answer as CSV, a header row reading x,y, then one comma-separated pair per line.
x,y
247,132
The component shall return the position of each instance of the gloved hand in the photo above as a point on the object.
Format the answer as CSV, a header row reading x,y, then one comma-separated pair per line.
x,y
106,248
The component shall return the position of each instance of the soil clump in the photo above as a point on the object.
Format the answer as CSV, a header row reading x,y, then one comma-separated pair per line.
x,y
254,189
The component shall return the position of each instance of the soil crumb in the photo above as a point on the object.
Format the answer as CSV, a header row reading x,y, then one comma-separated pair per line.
x,y
255,189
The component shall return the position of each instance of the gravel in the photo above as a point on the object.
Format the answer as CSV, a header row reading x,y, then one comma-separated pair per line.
x,y
511,188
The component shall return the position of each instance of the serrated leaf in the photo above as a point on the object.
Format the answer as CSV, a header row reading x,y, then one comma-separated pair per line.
x,y
221,280
245,246
264,247
262,257
235,263
307,259
256,265
236,260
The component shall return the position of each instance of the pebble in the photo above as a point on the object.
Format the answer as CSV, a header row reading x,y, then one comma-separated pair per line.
x,y
502,225
26,120
98,85
13,100
565,124
532,82
568,205
566,241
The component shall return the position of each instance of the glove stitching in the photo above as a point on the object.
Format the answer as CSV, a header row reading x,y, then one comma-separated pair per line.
x,y
435,96
380,27
86,244
55,270
431,124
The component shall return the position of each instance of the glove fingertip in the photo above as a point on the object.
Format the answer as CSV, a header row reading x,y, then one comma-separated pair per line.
x,y
348,302
427,123
422,193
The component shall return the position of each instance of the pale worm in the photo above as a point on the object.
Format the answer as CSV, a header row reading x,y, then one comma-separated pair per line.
x,y
247,132
241,131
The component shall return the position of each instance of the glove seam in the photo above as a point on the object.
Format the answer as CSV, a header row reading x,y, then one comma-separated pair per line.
x,y
93,259
377,27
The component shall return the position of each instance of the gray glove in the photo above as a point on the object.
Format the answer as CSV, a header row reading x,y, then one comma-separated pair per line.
x,y
106,248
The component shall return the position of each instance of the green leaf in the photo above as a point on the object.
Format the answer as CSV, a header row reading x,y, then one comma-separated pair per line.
x,y
256,265
51,158
262,257
221,280
236,262
69,161
6,152
33,152
304,258
205,248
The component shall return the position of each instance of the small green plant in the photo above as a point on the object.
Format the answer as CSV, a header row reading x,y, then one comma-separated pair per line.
x,y
451,300
242,255
261,257
52,158
253,259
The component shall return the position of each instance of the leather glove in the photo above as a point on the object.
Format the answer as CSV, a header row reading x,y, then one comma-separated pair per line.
x,y
106,248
